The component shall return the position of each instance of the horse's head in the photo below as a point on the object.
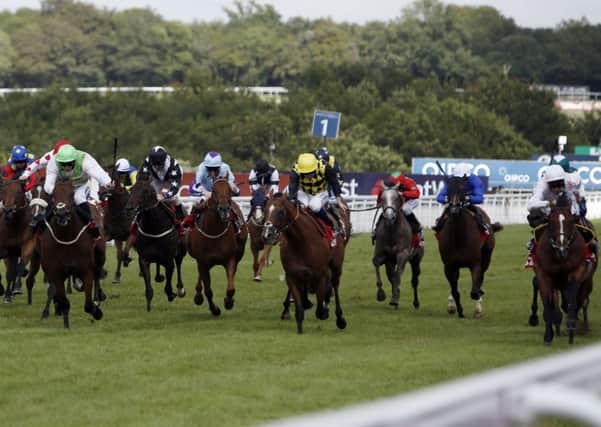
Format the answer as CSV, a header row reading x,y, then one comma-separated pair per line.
x,y
13,193
562,227
457,192
221,198
278,216
391,202
143,195
63,200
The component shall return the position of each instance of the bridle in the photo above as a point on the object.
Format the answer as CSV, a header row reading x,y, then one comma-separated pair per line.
x,y
272,233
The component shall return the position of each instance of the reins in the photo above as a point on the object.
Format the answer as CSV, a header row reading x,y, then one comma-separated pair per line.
x,y
63,242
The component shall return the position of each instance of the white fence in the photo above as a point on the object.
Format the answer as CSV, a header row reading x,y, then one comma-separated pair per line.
x,y
502,207
567,385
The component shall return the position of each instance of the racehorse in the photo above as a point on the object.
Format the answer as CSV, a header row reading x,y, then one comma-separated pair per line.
x,y
157,239
15,233
212,240
462,245
117,221
255,230
561,266
67,249
309,261
394,247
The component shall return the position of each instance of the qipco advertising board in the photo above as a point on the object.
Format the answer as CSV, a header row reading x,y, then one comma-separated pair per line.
x,y
521,174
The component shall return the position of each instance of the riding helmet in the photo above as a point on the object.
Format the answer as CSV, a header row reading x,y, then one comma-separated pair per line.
x,y
66,154
18,154
554,173
213,159
122,165
306,163
157,156
262,166
323,154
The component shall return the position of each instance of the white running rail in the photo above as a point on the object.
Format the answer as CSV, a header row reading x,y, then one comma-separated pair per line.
x,y
566,385
503,207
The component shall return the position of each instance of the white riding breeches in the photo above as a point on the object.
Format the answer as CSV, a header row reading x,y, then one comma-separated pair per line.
x,y
409,206
314,202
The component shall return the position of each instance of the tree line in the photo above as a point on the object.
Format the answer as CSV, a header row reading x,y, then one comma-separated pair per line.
x,y
439,80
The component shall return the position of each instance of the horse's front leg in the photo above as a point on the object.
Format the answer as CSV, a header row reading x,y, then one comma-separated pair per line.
x,y
377,262
256,261
572,295
119,247
340,320
452,274
169,267
61,302
231,287
321,311
477,278
533,319
89,288
549,306
158,277
397,273
34,267
299,310
11,277
181,292
415,272
145,269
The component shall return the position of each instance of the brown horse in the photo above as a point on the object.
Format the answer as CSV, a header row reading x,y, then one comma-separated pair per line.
x,y
255,230
461,245
310,263
394,248
15,234
213,241
117,221
561,266
157,239
67,249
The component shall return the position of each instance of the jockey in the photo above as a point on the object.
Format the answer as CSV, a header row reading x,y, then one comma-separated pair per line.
x,y
43,161
126,174
309,183
475,190
212,168
410,193
574,184
83,170
322,154
264,177
17,163
546,191
165,177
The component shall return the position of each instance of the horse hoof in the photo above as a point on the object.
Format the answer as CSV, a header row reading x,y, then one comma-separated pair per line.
x,y
394,303
159,278
258,279
533,321
416,304
477,314
461,316
285,316
44,315
381,295
229,303
97,314
475,295
7,299
171,296
215,311
341,323
181,292
117,280
198,299
78,284
17,291
307,304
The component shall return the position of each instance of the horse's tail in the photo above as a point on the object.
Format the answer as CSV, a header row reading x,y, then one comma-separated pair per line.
x,y
496,227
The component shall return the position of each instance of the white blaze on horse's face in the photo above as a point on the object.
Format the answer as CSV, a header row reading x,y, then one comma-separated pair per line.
x,y
389,203
561,233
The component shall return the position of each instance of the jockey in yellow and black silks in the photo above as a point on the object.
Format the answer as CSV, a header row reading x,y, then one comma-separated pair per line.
x,y
309,183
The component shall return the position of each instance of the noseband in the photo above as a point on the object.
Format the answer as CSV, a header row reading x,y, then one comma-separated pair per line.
x,y
273,233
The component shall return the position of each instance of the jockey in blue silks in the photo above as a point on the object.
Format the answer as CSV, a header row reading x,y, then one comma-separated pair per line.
x,y
212,168
475,192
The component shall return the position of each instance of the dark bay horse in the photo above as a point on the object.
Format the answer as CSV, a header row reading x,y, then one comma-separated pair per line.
x,y
117,221
255,230
310,263
213,241
461,245
561,268
157,239
393,247
67,249
15,233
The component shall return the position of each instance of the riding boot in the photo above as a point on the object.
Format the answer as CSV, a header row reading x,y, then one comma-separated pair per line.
x,y
479,219
85,214
373,231
323,215
439,223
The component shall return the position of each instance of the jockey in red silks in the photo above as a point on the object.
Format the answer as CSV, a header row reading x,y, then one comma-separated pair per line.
x,y
17,163
43,161
410,193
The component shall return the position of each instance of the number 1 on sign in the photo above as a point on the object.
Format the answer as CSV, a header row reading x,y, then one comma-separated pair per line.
x,y
324,127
